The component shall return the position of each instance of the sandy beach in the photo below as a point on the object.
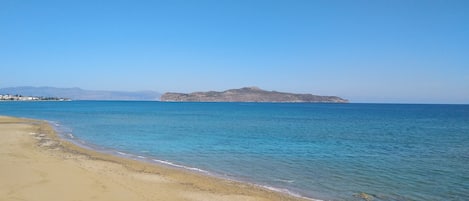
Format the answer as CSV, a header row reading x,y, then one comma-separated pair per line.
x,y
35,164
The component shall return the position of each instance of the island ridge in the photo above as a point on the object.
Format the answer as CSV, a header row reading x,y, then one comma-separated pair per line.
x,y
250,94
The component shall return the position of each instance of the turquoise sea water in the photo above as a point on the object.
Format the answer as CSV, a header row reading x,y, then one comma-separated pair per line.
x,y
324,151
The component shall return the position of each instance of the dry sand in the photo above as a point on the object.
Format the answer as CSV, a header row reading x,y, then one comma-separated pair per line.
x,y
35,165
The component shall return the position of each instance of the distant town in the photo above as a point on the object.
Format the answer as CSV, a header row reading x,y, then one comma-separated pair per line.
x,y
8,97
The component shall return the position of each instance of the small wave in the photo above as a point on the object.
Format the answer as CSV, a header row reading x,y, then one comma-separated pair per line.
x,y
282,190
285,180
196,169
180,166
122,153
71,135
141,157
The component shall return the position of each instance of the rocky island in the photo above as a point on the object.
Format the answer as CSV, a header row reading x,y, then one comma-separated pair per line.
x,y
249,94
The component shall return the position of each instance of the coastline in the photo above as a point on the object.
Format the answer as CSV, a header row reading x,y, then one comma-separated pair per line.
x,y
36,159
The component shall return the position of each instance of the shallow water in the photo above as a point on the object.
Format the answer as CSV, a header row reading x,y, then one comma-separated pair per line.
x,y
324,151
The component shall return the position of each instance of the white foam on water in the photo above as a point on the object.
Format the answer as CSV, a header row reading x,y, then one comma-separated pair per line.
x,y
285,180
282,190
141,157
122,153
180,166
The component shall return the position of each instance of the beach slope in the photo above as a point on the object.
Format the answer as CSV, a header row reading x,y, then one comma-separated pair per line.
x,y
36,165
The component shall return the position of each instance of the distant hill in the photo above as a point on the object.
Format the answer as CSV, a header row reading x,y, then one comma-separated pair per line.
x,y
249,94
81,94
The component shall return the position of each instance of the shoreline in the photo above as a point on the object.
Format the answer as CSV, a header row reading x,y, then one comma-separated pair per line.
x,y
66,135
139,177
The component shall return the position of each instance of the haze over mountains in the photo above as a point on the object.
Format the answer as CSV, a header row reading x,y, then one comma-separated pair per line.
x,y
81,94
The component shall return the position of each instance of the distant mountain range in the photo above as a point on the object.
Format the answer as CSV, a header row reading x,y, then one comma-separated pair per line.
x,y
81,94
249,94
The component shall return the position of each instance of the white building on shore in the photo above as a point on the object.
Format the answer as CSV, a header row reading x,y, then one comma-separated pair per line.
x,y
8,97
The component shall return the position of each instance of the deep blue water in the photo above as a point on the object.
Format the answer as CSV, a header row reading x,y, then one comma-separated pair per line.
x,y
324,151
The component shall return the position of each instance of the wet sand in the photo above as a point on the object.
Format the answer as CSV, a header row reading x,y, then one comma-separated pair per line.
x,y
35,164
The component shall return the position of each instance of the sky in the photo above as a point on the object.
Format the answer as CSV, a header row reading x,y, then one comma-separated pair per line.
x,y
384,51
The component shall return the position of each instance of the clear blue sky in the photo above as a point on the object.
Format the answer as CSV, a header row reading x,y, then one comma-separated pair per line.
x,y
366,51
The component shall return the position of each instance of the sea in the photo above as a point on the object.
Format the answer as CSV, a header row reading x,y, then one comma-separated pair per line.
x,y
380,152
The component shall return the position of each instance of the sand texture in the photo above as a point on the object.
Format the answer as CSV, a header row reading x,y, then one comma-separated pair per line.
x,y
35,165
